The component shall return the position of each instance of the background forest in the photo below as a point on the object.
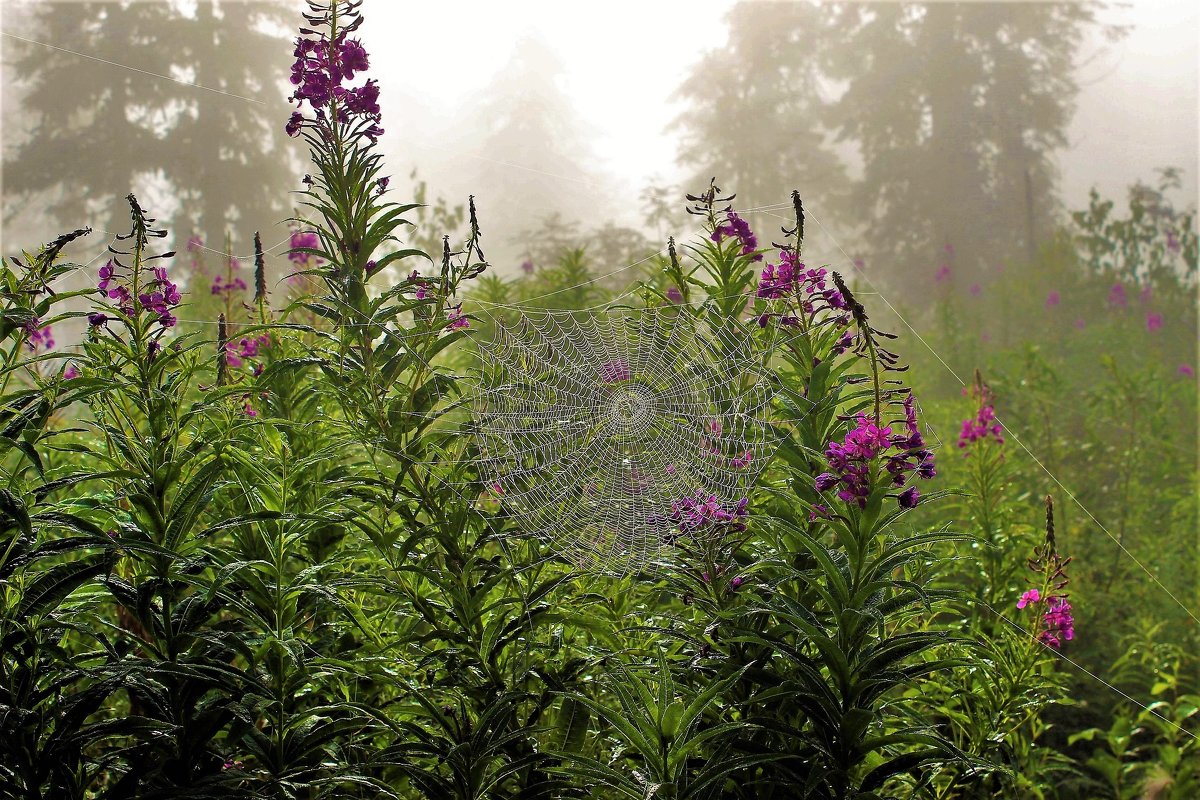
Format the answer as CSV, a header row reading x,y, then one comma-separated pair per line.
x,y
249,545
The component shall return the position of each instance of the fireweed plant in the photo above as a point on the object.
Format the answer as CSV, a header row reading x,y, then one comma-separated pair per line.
x,y
256,559
460,721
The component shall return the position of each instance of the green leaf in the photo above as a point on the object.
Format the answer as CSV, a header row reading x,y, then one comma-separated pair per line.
x,y
50,588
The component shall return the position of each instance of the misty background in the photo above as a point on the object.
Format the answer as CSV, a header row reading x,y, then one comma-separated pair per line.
x,y
906,127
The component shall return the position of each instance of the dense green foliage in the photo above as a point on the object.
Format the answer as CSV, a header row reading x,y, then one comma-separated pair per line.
x,y
259,558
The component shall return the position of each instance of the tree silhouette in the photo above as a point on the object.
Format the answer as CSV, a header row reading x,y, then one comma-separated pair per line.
x,y
955,109
754,118
533,154
98,128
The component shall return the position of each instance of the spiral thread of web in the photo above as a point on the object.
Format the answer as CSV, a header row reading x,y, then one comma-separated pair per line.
x,y
592,425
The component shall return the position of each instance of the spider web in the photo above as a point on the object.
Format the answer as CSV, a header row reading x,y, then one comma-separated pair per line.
x,y
591,425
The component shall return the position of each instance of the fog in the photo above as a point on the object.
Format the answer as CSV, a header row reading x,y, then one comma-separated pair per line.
x,y
535,107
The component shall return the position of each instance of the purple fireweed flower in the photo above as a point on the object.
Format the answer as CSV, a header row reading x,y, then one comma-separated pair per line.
x,y
1059,622
70,372
909,497
39,336
976,289
195,242
674,295
158,296
292,128
736,583
306,239
106,274
791,279
615,371
527,267
943,274
1080,324
703,512
983,426
859,263
1117,297
220,287
850,460
353,58
1186,371
1172,241
736,227
162,297
456,318
319,74
414,278
1053,299
1154,322
742,461
844,343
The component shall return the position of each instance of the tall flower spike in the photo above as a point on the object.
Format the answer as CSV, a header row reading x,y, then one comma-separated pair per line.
x,y
222,347
1050,543
260,273
1058,623
798,231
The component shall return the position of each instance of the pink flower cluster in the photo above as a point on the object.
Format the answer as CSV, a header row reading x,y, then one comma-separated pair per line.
x,y
39,336
615,371
237,352
693,514
113,290
736,227
163,295
303,239
230,285
319,72
1117,297
1058,622
790,278
456,318
851,459
982,426
422,287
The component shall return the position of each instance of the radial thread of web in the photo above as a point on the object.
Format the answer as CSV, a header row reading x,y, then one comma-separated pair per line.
x,y
591,425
